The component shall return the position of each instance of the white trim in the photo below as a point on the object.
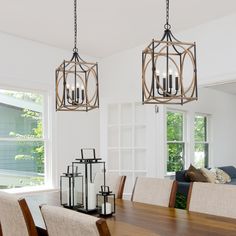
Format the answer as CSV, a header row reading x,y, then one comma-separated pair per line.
x,y
184,139
48,125
208,135
30,190
23,139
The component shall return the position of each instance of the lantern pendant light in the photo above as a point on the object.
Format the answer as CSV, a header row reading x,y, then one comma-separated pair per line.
x,y
169,69
77,81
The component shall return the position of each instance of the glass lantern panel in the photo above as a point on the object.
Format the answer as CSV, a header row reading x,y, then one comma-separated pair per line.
x,y
106,204
66,191
89,170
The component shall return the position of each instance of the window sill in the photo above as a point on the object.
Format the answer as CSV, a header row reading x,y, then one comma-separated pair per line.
x,y
170,174
30,190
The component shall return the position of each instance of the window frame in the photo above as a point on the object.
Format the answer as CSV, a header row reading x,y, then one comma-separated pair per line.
x,y
46,118
207,116
184,139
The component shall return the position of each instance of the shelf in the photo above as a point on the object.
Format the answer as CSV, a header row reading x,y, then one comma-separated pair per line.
x,y
126,125
128,171
126,148
126,115
113,114
126,141
140,125
113,159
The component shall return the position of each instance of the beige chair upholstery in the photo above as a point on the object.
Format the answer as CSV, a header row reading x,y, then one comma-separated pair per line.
x,y
113,180
60,222
213,199
155,191
15,217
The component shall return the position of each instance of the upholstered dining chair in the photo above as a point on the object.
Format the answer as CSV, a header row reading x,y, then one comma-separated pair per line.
x,y
115,181
213,199
15,216
60,222
155,191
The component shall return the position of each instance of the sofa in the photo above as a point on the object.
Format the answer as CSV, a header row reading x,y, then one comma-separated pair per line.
x,y
183,183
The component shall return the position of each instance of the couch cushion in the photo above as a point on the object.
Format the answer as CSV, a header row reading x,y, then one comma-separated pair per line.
x,y
230,170
233,182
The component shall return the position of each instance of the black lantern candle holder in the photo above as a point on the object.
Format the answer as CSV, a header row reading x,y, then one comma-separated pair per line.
x,y
71,189
88,165
106,202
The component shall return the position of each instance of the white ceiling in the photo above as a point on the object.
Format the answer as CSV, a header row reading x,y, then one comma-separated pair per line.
x,y
105,26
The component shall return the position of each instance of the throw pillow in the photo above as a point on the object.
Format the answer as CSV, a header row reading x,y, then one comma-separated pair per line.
x,y
210,175
195,175
222,176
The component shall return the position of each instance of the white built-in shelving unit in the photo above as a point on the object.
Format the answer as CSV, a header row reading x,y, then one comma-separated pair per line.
x,y
126,141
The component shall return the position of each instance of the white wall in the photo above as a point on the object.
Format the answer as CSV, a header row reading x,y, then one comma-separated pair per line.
x,y
121,81
222,110
30,65
215,49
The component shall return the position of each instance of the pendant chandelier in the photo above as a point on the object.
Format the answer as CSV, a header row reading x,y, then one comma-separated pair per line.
x,y
169,69
76,81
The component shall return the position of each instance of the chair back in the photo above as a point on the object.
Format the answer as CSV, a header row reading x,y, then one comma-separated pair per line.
x,y
60,222
113,180
161,192
213,199
15,216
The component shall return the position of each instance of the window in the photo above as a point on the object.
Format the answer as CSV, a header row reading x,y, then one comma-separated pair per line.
x,y
201,145
22,143
175,141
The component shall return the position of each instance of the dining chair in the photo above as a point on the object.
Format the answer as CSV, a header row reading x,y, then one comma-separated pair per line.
x,y
161,192
115,181
60,222
15,216
213,199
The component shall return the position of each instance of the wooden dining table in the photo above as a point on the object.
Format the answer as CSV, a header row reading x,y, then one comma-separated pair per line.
x,y
138,219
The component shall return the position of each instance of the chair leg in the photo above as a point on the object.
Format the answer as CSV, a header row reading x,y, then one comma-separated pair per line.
x,y
121,187
103,228
28,217
0,230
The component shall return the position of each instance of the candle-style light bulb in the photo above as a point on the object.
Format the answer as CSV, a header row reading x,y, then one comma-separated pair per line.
x,y
158,79
164,84
68,91
77,90
176,81
82,92
73,92
170,79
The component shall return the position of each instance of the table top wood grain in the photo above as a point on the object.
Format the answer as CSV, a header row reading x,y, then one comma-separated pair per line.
x,y
138,219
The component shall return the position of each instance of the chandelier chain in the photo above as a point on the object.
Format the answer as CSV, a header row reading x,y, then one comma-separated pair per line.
x,y
167,25
167,12
75,26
